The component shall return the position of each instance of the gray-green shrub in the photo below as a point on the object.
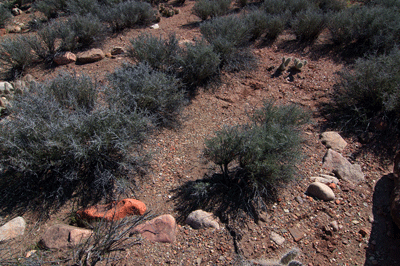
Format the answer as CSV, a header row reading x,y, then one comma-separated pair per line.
x,y
158,52
139,87
5,14
211,8
369,91
51,8
308,24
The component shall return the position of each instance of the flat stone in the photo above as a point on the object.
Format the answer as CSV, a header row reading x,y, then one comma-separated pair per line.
x,y
61,236
160,229
201,219
90,56
326,179
277,238
12,229
333,140
342,168
296,233
65,58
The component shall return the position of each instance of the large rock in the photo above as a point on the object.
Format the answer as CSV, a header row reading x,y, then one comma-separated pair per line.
x,y
12,229
6,88
61,236
342,168
333,140
201,219
160,229
90,56
114,210
321,191
65,58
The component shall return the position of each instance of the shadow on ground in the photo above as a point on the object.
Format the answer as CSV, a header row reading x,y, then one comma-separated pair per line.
x,y
384,243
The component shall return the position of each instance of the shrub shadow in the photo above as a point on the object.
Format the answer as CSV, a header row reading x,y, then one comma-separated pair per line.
x,y
385,236
229,201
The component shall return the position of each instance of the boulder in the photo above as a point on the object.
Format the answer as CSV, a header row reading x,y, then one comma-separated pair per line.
x,y
6,88
201,219
160,229
342,168
16,11
113,211
61,236
12,229
90,56
65,58
321,191
333,140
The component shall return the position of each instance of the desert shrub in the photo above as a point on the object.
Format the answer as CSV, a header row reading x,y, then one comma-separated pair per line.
x,y
330,5
127,14
15,55
80,32
369,92
158,52
255,160
386,3
83,7
229,37
257,21
308,24
211,8
56,145
275,26
51,8
5,14
372,28
278,7
198,62
44,43
142,88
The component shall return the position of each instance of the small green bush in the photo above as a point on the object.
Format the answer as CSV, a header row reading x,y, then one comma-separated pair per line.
x,y
159,53
57,145
211,8
44,43
83,7
128,14
369,92
197,63
5,14
142,88
257,21
229,37
308,24
275,26
51,8
15,55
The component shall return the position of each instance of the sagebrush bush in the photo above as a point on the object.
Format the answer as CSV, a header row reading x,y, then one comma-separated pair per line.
x,y
275,26
141,88
44,43
127,14
371,27
229,37
279,7
57,145
370,91
83,7
308,24
158,52
330,5
197,63
257,21
5,14
15,55
51,8
265,151
211,8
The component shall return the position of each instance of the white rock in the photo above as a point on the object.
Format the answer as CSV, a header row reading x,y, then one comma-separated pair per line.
x,y
201,219
154,27
6,88
326,179
321,191
333,140
277,238
12,229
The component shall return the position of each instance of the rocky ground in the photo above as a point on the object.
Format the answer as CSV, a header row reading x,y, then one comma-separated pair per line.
x,y
355,228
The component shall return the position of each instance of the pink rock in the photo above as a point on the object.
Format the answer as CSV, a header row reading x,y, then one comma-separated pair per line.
x,y
90,56
160,229
65,58
114,210
62,236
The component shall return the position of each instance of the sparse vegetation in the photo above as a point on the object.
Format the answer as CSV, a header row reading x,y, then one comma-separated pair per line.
x,y
308,24
5,14
205,9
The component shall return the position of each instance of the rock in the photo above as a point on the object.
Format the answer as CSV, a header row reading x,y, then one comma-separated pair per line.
x,y
13,29
16,11
61,236
201,219
65,58
12,229
277,238
326,179
114,210
334,226
296,233
90,56
117,50
20,86
342,168
364,232
321,191
160,229
6,88
28,78
333,140
154,27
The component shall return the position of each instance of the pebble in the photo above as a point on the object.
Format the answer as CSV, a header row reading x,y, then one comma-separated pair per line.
x,y
277,238
334,226
299,200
